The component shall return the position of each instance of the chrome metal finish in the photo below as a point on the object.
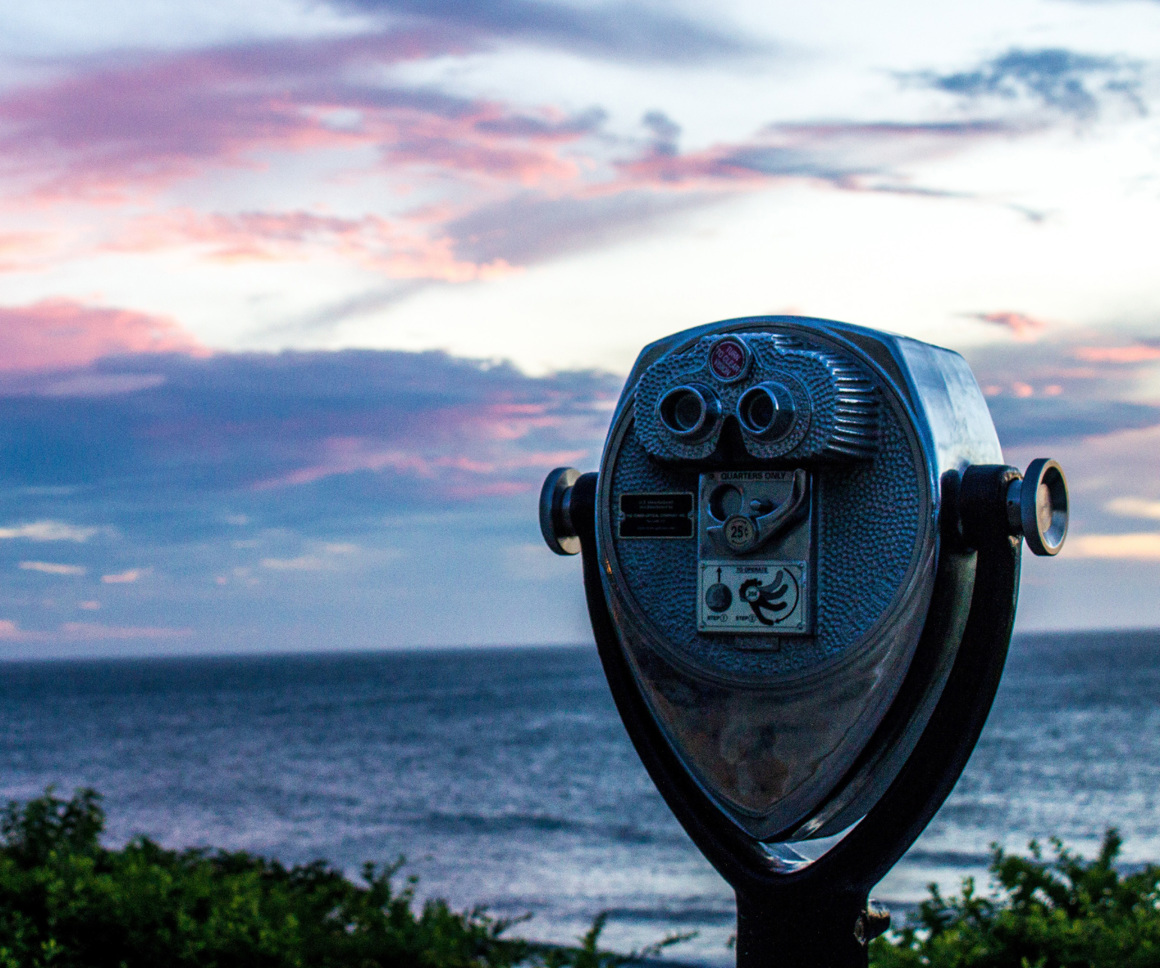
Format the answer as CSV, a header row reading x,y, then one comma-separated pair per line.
x,y
755,571
759,744
801,568
794,728
831,399
1037,507
555,507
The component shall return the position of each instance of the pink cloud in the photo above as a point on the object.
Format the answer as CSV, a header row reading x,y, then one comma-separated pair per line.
x,y
1118,354
60,333
20,251
125,132
400,249
712,168
466,145
1019,325
120,132
350,455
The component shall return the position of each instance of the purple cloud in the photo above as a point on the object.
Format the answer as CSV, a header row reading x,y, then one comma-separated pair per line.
x,y
508,185
115,131
1075,386
378,427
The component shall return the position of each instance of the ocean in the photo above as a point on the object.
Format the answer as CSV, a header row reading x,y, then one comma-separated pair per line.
x,y
504,777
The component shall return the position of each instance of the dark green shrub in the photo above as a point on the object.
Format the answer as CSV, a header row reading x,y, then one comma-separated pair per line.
x,y
1063,912
68,902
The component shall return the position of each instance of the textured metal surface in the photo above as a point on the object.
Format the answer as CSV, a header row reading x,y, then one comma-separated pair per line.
x,y
869,522
771,750
791,734
835,400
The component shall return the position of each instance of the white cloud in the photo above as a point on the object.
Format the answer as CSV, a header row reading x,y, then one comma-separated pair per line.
x,y
1138,546
301,563
1134,507
323,560
124,577
531,561
70,632
93,631
53,568
49,531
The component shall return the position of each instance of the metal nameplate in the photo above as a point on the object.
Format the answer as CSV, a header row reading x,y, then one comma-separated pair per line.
x,y
660,515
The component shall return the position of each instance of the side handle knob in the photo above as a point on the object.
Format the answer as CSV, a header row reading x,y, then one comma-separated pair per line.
x,y
555,506
1037,506
993,499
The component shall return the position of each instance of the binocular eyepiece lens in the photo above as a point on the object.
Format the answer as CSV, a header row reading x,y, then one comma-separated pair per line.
x,y
689,411
766,411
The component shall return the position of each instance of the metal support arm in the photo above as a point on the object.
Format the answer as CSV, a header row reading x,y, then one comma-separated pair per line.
x,y
818,916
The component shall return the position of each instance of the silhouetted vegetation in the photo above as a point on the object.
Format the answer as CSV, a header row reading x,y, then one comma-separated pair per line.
x,y
68,902
1061,912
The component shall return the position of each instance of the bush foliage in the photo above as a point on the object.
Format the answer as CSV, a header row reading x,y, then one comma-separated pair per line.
x,y
68,902
1062,912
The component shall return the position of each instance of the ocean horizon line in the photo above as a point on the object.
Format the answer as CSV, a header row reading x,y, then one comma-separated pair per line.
x,y
140,655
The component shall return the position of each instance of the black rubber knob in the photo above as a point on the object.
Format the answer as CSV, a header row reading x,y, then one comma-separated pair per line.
x,y
555,520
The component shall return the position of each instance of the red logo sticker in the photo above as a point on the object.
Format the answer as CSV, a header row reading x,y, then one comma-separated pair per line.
x,y
728,359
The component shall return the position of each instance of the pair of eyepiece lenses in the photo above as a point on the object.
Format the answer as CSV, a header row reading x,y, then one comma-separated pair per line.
x,y
693,411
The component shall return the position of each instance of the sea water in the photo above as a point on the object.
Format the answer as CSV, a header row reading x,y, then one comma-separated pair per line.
x,y
504,776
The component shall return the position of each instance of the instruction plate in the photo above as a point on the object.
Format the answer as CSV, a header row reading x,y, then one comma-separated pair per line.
x,y
752,596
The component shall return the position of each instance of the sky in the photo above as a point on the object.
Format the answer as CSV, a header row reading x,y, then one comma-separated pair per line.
x,y
301,299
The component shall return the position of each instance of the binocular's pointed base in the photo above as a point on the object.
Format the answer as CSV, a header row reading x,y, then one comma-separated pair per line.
x,y
826,931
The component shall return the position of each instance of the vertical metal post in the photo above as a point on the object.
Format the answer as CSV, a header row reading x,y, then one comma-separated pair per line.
x,y
810,931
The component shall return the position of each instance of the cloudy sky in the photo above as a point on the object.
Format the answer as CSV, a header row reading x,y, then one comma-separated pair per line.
x,y
300,299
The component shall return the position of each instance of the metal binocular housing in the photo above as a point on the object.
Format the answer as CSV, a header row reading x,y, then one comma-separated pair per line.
x,y
801,558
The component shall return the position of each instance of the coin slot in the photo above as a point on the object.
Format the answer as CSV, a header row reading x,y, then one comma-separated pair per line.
x,y
724,501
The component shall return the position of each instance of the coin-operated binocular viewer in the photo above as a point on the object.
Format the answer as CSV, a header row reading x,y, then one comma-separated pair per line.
x,y
801,557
